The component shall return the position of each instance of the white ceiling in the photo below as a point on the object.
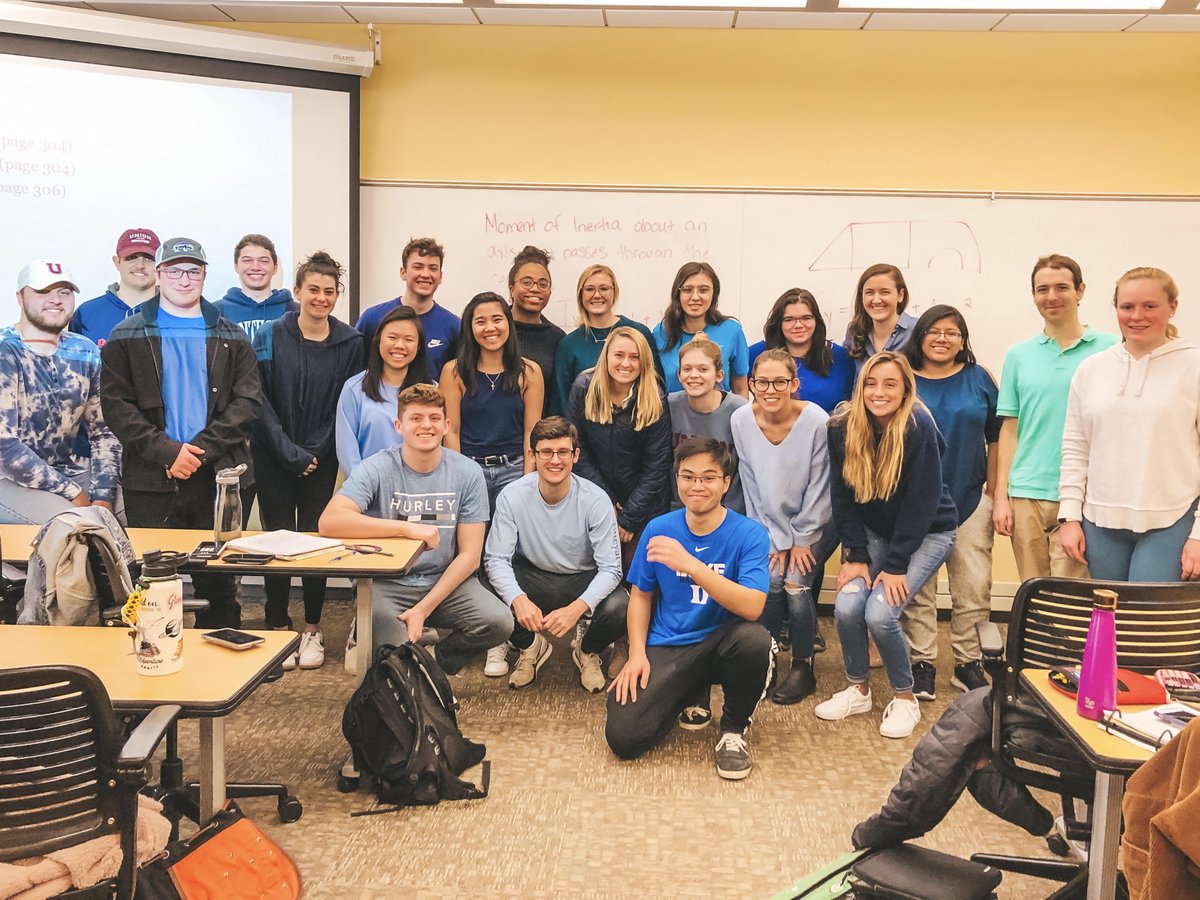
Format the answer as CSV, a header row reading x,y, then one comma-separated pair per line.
x,y
1176,15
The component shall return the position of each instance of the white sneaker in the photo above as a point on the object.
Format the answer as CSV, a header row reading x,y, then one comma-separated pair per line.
x,y
293,659
312,650
900,718
850,702
497,662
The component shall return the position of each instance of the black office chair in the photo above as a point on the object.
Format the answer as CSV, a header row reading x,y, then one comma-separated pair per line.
x,y
66,776
1158,626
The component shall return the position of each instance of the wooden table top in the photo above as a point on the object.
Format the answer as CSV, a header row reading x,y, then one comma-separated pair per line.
x,y
1105,751
18,539
214,680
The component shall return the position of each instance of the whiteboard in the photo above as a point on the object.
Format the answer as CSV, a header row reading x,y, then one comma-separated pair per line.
x,y
974,252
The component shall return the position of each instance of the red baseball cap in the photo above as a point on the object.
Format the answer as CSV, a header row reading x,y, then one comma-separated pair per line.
x,y
137,240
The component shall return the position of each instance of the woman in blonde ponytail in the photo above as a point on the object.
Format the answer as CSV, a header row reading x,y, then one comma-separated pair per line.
x,y
897,524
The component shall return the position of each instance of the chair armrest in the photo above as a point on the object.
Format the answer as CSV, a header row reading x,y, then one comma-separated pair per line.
x,y
112,615
141,744
991,644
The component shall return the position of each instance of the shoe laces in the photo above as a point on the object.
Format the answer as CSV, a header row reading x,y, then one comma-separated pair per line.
x,y
897,705
730,740
696,712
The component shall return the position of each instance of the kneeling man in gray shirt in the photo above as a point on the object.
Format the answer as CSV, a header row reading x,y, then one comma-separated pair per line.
x,y
554,556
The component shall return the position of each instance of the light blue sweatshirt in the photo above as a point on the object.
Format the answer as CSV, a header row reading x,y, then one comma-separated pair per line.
x,y
786,485
574,535
364,426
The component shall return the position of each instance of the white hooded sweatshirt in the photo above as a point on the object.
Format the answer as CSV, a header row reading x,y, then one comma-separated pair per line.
x,y
1131,446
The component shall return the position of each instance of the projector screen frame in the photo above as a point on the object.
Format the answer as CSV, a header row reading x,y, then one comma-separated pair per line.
x,y
254,73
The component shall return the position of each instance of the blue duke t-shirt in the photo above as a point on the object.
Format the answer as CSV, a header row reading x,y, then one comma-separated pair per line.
x,y
684,614
184,375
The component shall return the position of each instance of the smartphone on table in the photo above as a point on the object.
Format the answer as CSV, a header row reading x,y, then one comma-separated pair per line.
x,y
232,638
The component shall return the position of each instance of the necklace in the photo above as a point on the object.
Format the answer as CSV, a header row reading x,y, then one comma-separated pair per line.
x,y
492,381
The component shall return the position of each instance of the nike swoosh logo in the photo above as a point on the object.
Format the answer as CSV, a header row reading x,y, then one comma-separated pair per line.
x,y
701,549
434,342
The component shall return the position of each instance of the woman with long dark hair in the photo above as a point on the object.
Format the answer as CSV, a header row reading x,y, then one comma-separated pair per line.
x,y
878,321
825,370
961,396
366,410
692,310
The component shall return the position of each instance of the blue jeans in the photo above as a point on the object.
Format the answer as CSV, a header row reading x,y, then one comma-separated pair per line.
x,y
496,477
858,609
801,601
1117,554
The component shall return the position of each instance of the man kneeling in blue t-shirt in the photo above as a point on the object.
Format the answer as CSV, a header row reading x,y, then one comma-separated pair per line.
x,y
699,583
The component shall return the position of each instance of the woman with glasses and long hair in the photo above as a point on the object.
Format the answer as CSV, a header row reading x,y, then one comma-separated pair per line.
x,y
878,321
304,359
366,410
961,396
493,394
825,370
624,431
783,450
896,522
693,310
529,287
596,296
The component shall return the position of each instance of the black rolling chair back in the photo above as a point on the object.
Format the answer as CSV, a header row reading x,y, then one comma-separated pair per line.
x,y
66,775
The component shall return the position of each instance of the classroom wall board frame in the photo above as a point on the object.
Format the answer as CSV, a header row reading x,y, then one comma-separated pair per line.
x,y
973,250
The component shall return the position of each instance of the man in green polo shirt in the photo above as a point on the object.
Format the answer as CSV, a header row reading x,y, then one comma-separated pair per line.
x,y
1033,399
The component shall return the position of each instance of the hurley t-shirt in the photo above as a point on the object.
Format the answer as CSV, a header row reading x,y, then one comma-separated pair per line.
x,y
453,494
184,375
739,549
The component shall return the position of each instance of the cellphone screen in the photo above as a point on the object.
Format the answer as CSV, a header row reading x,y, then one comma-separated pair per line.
x,y
232,637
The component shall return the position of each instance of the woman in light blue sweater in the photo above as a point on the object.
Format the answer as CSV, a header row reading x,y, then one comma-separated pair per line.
x,y
784,459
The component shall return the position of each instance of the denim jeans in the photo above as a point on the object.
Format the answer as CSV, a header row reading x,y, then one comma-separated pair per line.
x,y
800,603
496,477
1117,554
859,608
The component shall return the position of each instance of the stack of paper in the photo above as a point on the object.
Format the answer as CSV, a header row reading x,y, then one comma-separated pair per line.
x,y
284,544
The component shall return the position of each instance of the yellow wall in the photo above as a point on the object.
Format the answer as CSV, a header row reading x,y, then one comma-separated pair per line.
x,y
1038,112
1106,113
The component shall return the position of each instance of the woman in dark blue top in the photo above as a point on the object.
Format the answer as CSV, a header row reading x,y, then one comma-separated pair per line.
x,y
824,368
961,395
896,522
493,394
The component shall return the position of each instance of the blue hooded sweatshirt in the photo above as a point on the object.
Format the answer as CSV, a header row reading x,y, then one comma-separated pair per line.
x,y
252,315
96,318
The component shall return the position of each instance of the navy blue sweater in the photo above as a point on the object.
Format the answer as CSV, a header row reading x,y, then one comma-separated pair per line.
x,y
920,506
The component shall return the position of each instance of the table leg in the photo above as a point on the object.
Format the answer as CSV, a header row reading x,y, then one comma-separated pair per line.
x,y
362,618
1106,836
212,767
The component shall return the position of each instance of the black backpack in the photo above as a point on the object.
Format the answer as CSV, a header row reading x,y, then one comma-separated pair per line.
x,y
401,726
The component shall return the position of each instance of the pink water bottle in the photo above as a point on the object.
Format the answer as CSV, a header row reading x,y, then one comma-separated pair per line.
x,y
1098,674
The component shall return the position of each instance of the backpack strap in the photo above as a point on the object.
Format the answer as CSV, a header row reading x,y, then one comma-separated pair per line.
x,y
435,674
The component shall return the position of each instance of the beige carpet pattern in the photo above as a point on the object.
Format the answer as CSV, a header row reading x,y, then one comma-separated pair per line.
x,y
566,818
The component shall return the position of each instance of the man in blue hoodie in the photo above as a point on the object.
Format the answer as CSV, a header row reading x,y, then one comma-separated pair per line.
x,y
254,302
137,283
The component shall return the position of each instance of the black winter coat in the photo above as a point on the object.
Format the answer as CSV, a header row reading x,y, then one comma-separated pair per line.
x,y
633,467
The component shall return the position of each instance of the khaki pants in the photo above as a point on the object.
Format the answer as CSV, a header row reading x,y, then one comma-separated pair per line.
x,y
969,566
1035,542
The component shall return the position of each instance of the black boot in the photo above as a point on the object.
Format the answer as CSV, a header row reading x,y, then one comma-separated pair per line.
x,y
799,684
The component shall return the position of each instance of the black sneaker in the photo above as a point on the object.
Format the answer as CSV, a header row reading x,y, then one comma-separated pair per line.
x,y
924,681
695,718
733,759
819,642
969,676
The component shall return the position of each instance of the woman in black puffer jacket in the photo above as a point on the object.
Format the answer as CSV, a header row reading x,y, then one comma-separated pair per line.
x,y
624,431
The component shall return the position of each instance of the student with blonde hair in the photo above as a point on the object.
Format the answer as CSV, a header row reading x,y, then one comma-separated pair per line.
x,y
1131,445
897,524
596,296
624,430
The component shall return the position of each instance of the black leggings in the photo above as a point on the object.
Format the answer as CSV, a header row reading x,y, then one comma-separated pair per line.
x,y
293,502
737,656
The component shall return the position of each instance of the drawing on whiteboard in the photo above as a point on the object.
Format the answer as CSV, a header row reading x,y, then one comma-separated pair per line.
x,y
910,244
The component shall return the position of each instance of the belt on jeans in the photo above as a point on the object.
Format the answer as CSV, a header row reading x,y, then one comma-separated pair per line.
x,y
501,459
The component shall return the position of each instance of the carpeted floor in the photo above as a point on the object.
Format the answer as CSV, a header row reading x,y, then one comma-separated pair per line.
x,y
565,818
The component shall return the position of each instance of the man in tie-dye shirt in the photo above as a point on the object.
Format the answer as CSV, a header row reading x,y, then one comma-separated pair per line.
x,y
49,387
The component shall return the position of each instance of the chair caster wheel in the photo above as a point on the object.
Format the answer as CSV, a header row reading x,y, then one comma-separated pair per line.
x,y
346,784
290,809
1058,846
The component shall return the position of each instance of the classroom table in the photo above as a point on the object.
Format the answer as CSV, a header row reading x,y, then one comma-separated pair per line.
x,y
1112,757
213,682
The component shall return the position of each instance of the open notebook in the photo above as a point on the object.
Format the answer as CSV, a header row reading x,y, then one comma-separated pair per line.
x,y
284,544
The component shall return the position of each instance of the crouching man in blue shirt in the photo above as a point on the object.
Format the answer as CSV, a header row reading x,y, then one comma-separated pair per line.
x,y
699,583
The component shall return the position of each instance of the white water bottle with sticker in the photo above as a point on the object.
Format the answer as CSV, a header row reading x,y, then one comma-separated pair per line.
x,y
157,615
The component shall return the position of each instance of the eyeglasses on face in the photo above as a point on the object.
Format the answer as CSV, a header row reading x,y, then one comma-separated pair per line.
x,y
542,284
772,384
706,480
789,321
948,333
689,290
546,454
597,289
178,273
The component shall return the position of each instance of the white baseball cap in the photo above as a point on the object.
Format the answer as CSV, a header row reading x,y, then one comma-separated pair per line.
x,y
42,273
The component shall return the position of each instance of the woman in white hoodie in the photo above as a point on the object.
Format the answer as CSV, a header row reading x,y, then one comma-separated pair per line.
x,y
1131,447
